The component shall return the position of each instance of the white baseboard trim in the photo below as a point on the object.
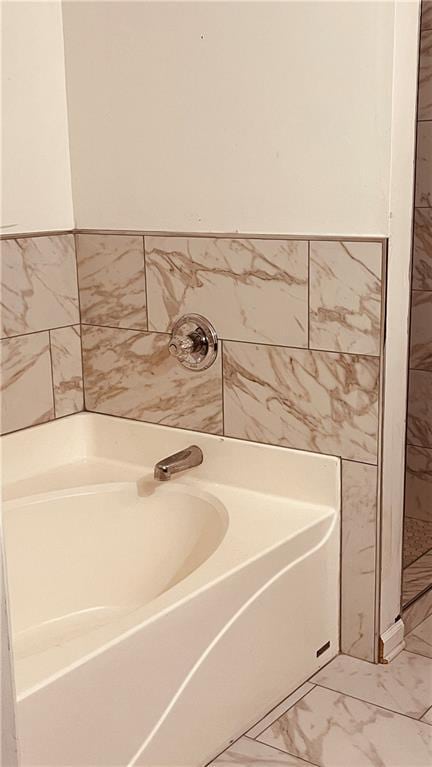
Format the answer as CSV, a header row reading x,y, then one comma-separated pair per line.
x,y
392,642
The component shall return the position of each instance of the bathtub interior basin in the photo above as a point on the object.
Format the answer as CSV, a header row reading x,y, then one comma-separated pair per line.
x,y
95,552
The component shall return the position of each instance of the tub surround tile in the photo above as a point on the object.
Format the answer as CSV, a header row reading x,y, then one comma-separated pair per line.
x,y
425,76
420,639
26,387
359,511
334,730
67,370
424,165
276,712
403,686
251,290
422,255
131,374
421,330
249,753
420,408
112,280
39,284
417,577
316,401
345,296
418,493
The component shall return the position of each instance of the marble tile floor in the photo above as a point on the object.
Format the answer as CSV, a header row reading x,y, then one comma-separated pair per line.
x,y
350,714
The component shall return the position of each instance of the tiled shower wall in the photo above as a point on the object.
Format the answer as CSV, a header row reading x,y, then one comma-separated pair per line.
x,y
418,500
40,331
300,328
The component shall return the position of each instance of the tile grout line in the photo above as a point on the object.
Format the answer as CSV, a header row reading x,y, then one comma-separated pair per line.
x,y
80,322
145,285
369,703
279,751
236,341
275,707
52,373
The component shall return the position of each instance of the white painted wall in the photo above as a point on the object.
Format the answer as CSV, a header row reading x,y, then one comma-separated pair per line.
x,y
36,179
253,117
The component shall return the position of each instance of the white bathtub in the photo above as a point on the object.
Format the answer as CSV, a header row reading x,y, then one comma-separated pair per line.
x,y
153,623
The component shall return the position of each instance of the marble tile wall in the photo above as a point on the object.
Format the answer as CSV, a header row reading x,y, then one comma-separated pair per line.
x,y
40,331
300,329
418,495
299,363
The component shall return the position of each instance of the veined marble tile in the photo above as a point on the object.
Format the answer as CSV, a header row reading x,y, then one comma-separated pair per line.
x,y
425,76
417,577
334,730
404,685
428,716
249,753
317,401
421,330
359,493
420,408
112,280
426,15
128,373
39,284
67,370
345,296
422,255
418,492
424,165
416,612
26,386
420,639
276,712
251,290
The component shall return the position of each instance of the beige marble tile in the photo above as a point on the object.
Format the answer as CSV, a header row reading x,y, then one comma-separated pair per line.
x,y
316,401
403,686
422,254
67,370
251,290
418,491
333,730
249,753
420,408
128,373
421,330
426,15
359,492
423,198
26,386
428,716
420,639
345,296
39,284
416,612
276,712
112,280
417,577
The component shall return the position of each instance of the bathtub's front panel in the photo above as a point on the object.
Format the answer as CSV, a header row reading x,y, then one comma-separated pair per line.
x,y
237,635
